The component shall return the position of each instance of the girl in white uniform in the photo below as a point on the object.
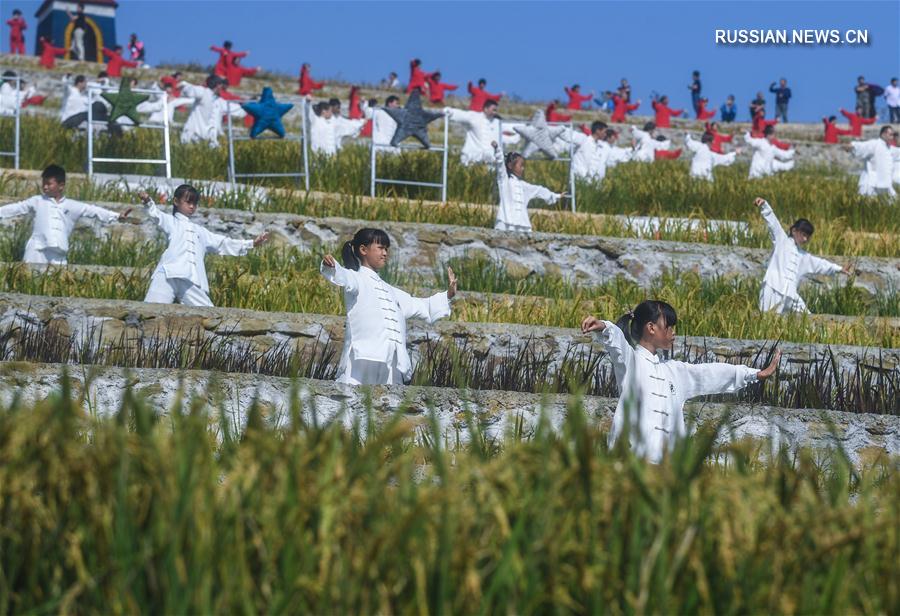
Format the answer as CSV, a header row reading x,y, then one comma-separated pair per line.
x,y
705,159
516,193
653,390
375,335
181,273
789,263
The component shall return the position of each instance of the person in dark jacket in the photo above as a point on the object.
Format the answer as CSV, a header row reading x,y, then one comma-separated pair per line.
x,y
782,97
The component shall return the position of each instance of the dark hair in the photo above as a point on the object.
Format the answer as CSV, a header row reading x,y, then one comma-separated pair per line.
x,y
227,44
648,311
117,48
319,107
885,129
363,237
832,118
490,103
707,137
79,79
697,73
373,102
390,99
102,75
17,12
649,126
483,82
661,138
768,130
9,75
214,81
185,192
803,226
597,125
576,86
334,102
509,159
54,172
416,62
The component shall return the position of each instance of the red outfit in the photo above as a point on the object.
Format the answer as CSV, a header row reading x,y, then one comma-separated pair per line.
x,y
49,53
417,78
718,140
480,97
37,99
307,85
16,37
703,113
621,107
576,99
832,132
664,114
231,96
116,62
759,124
780,144
666,154
436,89
553,115
355,110
586,130
856,122
236,72
225,58
168,80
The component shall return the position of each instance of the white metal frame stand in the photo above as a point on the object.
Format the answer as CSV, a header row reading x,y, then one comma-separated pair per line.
x,y
571,127
382,146
167,146
233,175
17,130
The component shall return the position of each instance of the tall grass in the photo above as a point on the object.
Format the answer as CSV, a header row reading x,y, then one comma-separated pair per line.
x,y
137,513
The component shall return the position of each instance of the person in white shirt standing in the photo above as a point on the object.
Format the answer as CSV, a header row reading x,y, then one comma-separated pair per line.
x,y
516,193
591,153
383,125
879,157
646,143
181,273
892,97
54,218
705,159
205,121
789,264
652,389
768,159
482,129
374,350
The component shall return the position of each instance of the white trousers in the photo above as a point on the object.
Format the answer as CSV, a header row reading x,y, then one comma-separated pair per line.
x,y
782,165
770,299
501,225
44,256
78,43
169,290
366,372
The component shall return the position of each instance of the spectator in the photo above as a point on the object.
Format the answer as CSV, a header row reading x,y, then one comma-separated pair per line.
x,y
728,111
625,90
136,48
782,96
695,89
391,82
863,97
892,96
758,104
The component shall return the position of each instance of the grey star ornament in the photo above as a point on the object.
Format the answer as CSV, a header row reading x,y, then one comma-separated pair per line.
x,y
539,136
412,120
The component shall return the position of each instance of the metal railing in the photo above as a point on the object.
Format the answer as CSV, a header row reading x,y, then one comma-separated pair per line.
x,y
383,146
17,131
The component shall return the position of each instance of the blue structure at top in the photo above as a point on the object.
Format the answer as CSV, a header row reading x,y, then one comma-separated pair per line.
x,y
98,22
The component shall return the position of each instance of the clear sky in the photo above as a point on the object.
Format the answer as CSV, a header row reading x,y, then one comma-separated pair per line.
x,y
533,49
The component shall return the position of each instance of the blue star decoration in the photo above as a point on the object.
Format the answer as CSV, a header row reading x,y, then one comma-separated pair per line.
x,y
125,102
412,120
266,114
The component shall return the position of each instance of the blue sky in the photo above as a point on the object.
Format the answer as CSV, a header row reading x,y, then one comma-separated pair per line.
x,y
533,49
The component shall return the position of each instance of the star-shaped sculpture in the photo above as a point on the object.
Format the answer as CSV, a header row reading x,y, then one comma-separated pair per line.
x,y
539,136
125,102
412,120
266,114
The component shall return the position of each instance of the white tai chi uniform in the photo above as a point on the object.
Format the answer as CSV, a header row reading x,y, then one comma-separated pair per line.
x,y
323,135
653,392
617,155
705,159
205,121
155,108
75,101
768,159
375,335
181,273
646,146
480,132
10,98
515,194
879,158
345,128
590,158
53,224
787,267
383,129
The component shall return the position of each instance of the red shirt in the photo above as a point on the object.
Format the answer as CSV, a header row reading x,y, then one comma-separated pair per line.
x,y
856,122
832,132
417,78
759,124
702,112
718,140
236,72
116,62
666,154
621,107
664,113
436,90
168,80
480,97
16,26
225,57
576,99
307,85
553,115
355,112
49,53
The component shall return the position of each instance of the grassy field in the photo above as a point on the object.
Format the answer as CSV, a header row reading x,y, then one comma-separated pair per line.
x,y
141,513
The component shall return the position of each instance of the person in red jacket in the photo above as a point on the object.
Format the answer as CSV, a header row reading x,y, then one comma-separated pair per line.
x,y
703,113
576,98
354,109
16,35
173,81
832,132
480,96
417,76
224,94
856,121
49,53
116,61
436,88
553,115
664,112
666,154
760,123
236,72
225,58
718,138
307,84
621,107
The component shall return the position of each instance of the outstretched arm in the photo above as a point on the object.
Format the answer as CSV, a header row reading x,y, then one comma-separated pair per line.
x,y
429,309
339,275
719,378
776,232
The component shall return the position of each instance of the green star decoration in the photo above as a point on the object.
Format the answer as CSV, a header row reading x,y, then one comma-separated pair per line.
x,y
125,102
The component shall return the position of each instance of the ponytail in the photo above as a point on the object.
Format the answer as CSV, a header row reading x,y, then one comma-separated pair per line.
x,y
632,323
363,237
